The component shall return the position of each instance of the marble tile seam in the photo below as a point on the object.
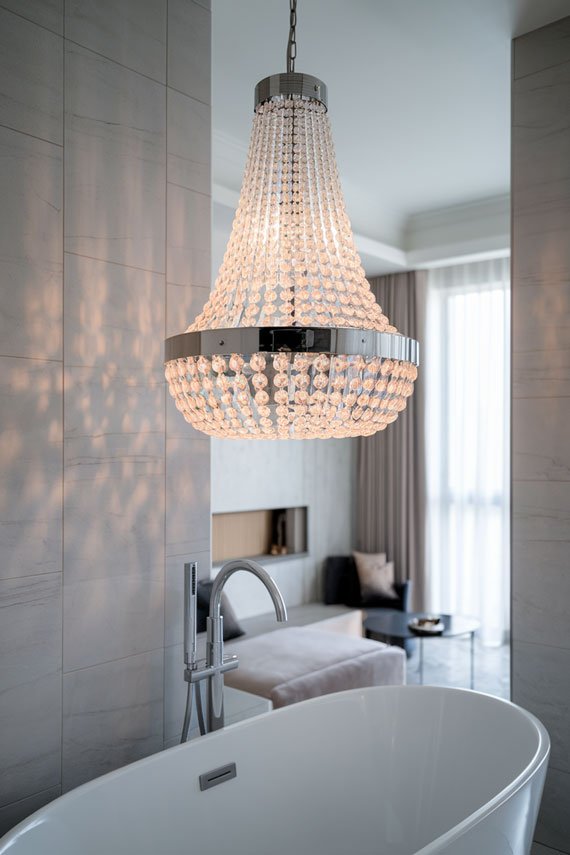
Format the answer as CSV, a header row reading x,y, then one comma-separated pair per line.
x,y
517,642
539,71
116,263
174,555
29,21
32,795
158,649
133,70
31,358
190,190
545,850
556,768
69,41
189,97
32,576
192,97
539,480
112,373
33,136
109,433
533,349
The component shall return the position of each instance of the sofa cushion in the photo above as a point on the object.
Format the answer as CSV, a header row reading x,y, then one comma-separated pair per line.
x,y
297,663
232,628
341,585
376,575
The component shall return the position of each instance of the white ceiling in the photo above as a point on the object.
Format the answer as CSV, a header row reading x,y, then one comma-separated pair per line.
x,y
419,95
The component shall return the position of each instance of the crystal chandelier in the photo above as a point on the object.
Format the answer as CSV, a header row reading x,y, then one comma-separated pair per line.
x,y
291,343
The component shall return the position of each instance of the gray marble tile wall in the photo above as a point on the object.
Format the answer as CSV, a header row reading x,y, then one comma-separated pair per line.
x,y
104,249
541,404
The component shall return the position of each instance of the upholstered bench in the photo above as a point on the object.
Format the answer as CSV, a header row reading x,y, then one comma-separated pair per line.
x,y
296,663
320,650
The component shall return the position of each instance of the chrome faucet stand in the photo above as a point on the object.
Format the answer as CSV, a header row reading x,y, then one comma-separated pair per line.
x,y
216,663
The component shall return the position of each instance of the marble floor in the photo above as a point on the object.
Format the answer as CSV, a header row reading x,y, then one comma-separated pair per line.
x,y
447,663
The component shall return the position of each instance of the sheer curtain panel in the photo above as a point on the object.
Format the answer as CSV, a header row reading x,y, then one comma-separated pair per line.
x,y
467,371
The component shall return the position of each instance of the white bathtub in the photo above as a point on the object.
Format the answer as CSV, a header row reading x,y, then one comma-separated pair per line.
x,y
393,771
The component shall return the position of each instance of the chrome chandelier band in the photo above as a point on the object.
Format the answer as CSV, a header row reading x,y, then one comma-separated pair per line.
x,y
288,84
332,340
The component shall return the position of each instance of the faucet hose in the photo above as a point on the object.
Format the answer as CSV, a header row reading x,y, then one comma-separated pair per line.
x,y
200,711
187,714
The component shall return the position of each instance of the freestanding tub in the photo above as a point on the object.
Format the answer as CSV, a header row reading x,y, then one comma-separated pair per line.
x,y
392,771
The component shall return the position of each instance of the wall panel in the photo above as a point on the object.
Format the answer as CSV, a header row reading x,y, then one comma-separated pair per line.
x,y
541,387
94,457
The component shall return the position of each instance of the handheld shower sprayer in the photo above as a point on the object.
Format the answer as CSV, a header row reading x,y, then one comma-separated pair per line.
x,y
190,649
190,597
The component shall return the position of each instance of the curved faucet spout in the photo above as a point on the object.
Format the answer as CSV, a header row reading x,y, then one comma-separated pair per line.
x,y
215,635
232,567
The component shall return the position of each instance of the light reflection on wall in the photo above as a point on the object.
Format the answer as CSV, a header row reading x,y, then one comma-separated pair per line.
x,y
88,463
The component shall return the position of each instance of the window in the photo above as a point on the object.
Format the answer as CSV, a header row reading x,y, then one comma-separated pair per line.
x,y
467,368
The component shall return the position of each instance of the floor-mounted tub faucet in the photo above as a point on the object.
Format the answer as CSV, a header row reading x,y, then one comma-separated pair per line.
x,y
215,630
216,664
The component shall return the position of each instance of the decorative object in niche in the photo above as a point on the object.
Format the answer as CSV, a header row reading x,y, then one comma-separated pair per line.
x,y
279,535
258,534
291,343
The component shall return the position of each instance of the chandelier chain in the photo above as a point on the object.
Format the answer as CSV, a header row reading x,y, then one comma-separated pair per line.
x,y
292,43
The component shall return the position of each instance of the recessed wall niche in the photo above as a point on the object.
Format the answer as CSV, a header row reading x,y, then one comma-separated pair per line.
x,y
268,533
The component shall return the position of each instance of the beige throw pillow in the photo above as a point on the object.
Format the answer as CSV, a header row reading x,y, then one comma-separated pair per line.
x,y
376,575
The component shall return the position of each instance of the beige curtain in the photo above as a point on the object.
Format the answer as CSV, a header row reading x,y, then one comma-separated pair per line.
x,y
391,490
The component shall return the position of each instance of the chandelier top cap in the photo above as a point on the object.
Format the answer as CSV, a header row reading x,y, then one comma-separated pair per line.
x,y
289,84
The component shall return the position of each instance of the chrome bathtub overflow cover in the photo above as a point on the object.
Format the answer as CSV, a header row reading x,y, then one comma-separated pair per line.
x,y
217,776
